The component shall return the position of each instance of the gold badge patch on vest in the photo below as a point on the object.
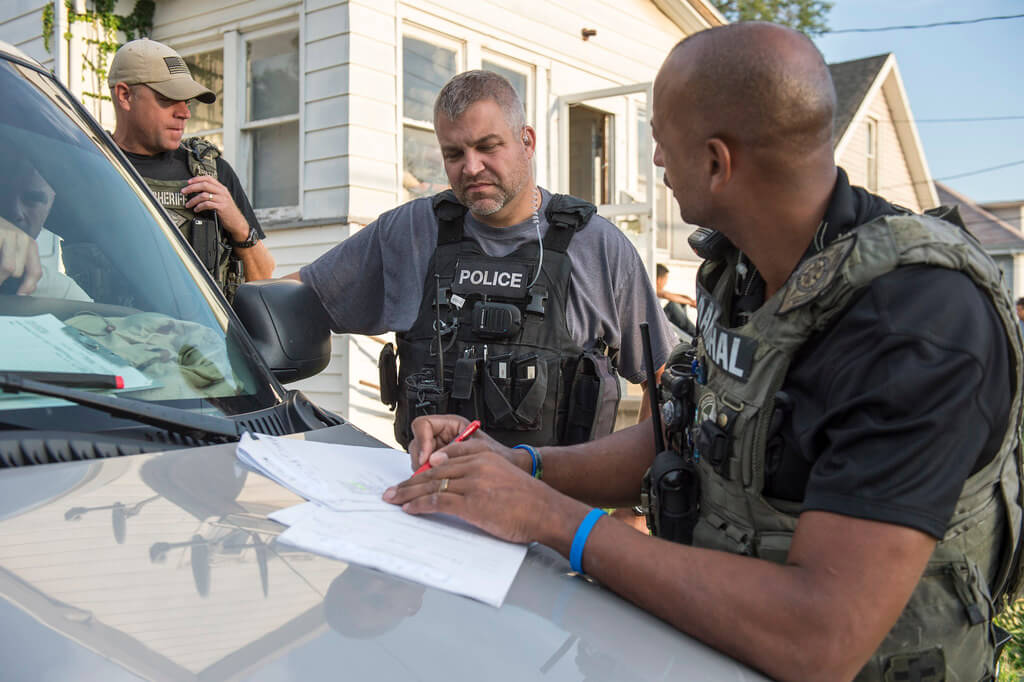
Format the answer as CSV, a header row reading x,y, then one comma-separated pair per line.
x,y
815,274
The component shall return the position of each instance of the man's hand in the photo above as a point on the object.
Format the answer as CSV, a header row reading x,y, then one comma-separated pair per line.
x,y
489,492
206,193
436,432
19,257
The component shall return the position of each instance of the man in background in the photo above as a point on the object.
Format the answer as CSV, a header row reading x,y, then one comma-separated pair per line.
x,y
151,86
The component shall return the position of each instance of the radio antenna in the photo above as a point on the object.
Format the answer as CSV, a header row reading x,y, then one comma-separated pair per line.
x,y
437,328
652,388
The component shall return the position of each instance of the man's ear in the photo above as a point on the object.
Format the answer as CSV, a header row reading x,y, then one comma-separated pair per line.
x,y
719,160
529,139
121,93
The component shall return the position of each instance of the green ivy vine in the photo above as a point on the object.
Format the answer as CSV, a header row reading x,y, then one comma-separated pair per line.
x,y
137,24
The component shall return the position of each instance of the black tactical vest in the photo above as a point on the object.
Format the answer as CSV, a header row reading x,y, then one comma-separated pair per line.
x,y
202,232
490,343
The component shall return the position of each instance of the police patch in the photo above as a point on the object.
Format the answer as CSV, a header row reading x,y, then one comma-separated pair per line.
x,y
490,277
815,274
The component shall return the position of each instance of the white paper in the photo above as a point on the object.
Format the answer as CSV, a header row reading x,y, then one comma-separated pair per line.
x,y
437,551
343,519
39,343
341,477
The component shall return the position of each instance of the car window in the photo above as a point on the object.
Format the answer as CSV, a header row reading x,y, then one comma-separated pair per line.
x,y
120,293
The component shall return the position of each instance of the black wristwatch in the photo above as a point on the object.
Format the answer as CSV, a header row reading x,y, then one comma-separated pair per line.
x,y
250,241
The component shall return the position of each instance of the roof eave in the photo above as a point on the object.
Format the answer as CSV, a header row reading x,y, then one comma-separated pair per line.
x,y
691,16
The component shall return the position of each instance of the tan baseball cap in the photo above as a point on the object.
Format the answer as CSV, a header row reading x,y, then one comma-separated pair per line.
x,y
159,67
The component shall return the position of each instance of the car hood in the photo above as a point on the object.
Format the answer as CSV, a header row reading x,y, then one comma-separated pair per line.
x,y
164,566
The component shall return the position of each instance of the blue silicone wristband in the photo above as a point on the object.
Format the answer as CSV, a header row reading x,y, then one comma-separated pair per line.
x,y
580,539
533,456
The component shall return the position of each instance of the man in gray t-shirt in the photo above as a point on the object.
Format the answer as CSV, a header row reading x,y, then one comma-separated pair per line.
x,y
373,282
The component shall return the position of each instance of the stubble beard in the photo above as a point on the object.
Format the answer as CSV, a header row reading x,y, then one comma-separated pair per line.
x,y
490,205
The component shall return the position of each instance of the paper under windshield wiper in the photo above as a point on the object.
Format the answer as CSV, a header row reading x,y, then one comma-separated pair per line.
x,y
160,416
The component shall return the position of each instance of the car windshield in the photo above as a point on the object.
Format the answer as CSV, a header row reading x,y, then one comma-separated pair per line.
x,y
120,292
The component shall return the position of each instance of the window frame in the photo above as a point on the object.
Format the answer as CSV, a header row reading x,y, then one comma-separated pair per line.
x,y
871,153
236,132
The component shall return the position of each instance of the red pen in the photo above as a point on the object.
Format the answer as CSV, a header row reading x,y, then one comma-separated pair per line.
x,y
466,433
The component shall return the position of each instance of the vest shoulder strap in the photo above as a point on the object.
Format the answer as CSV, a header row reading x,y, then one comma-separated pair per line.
x,y
566,215
202,156
449,214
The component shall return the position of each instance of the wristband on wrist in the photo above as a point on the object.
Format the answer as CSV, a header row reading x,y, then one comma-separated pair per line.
x,y
580,539
537,470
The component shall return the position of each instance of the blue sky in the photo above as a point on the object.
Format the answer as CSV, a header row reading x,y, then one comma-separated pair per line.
x,y
950,72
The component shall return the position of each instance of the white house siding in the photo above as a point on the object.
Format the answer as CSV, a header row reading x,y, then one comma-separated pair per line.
x,y
21,25
894,179
351,119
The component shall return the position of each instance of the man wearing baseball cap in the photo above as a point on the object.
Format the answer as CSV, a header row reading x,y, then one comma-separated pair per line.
x,y
151,86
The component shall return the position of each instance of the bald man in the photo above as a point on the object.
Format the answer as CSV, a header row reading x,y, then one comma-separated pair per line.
x,y
850,505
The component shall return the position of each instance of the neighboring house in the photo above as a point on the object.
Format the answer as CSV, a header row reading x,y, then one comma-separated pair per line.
x,y
876,139
1001,238
324,109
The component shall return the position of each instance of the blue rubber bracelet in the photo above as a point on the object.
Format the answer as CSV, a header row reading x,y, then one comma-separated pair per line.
x,y
533,456
580,539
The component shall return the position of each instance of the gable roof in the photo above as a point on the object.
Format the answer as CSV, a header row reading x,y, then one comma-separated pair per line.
x,y
995,235
852,81
857,83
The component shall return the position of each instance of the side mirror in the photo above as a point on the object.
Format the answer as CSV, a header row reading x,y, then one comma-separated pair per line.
x,y
288,325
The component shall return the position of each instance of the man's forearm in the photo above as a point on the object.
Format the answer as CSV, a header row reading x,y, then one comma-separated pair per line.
x,y
817,617
606,472
258,262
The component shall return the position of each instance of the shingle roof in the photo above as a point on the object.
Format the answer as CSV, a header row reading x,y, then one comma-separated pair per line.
x,y
993,233
852,80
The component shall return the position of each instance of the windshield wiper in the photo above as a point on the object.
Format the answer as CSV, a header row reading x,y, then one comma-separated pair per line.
x,y
163,417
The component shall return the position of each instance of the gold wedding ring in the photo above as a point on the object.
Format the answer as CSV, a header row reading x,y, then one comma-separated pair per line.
x,y
209,195
444,485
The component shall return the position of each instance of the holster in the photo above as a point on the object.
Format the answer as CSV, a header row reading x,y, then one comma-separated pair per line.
x,y
593,398
671,497
387,369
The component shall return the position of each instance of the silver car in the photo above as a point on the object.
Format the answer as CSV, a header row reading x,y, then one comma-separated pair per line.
x,y
133,546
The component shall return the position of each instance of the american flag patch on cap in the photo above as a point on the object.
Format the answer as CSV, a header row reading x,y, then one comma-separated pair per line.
x,y
176,65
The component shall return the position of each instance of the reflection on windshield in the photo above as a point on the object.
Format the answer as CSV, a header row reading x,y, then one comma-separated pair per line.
x,y
111,268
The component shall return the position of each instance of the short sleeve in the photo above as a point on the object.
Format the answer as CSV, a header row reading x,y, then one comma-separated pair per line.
x,y
902,399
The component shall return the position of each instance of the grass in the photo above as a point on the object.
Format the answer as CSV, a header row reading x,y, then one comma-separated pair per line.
x,y
1011,668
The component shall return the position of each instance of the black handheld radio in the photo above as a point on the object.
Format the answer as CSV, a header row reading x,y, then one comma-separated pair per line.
x,y
671,487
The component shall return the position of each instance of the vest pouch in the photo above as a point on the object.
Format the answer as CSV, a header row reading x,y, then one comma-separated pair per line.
x,y
205,240
716,532
387,370
424,396
593,399
951,603
773,546
515,390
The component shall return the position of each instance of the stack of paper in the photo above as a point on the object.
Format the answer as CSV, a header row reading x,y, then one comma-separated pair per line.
x,y
347,519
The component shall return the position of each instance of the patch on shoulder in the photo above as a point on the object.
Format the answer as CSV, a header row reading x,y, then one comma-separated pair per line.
x,y
815,274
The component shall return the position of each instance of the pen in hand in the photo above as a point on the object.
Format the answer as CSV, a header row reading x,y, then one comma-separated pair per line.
x,y
466,433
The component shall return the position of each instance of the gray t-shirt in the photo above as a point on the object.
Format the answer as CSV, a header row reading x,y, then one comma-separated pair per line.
x,y
373,281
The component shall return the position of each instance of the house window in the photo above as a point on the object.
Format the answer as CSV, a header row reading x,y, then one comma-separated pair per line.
x,y
590,149
270,133
427,64
207,119
267,119
520,76
871,154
